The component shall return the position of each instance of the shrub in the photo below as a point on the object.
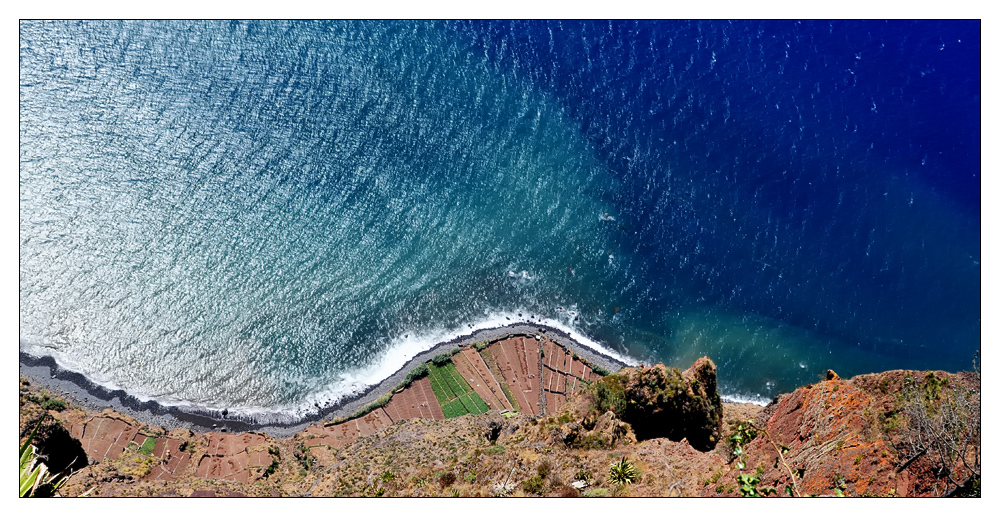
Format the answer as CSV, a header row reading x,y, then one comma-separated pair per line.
x,y
447,479
623,472
609,395
54,404
946,427
302,456
744,433
533,485
414,374
441,359
379,402
271,469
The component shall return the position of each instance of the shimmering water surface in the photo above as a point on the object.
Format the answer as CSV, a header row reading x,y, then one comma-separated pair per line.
x,y
263,216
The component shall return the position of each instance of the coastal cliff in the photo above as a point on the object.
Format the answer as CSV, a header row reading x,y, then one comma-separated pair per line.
x,y
523,416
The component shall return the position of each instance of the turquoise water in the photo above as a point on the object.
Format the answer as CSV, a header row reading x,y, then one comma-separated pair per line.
x,y
266,216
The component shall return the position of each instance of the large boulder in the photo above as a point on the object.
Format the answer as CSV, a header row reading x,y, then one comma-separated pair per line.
x,y
662,402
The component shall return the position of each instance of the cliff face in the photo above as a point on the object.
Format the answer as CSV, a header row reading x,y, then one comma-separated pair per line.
x,y
897,433
858,437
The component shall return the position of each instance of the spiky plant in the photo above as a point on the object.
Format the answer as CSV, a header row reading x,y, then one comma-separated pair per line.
x,y
33,473
623,472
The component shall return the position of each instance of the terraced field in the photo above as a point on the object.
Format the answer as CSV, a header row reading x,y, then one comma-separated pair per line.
x,y
453,392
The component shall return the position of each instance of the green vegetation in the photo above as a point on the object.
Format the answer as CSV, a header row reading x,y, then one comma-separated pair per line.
x,y
453,392
533,485
609,395
441,359
536,484
54,404
496,449
599,370
379,402
147,446
745,433
302,456
510,396
46,401
414,374
749,484
596,492
932,387
271,469
623,472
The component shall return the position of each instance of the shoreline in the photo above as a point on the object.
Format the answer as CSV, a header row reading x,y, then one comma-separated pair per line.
x,y
77,388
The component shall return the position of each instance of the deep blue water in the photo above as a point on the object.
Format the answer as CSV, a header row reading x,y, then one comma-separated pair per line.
x,y
264,215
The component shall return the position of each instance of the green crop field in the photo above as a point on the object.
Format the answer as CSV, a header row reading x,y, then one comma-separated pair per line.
x,y
453,392
148,445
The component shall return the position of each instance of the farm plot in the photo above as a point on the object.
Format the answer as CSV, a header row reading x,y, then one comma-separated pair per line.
x,y
454,393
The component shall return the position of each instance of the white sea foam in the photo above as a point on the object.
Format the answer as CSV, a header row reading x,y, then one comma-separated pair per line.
x,y
407,346
740,398
402,349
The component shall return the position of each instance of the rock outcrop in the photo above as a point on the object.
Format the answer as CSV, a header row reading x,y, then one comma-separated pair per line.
x,y
662,402
896,433
596,431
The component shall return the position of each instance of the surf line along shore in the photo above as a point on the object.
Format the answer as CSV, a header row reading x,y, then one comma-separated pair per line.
x,y
46,373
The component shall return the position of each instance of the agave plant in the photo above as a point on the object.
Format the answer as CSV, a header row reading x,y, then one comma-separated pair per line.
x,y
33,473
623,472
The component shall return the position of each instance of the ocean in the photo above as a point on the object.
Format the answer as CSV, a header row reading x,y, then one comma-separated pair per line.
x,y
270,216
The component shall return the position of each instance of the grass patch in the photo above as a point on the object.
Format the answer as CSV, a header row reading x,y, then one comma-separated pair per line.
x,y
54,404
148,445
496,449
